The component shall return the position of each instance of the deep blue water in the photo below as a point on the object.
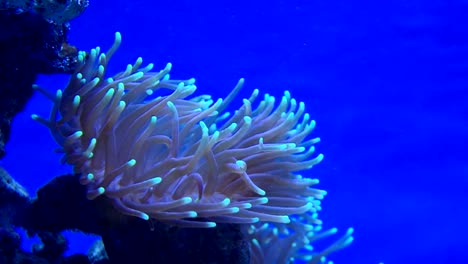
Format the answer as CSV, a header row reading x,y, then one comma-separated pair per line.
x,y
385,81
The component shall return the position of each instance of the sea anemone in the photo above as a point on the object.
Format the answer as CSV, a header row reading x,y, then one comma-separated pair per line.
x,y
293,242
158,152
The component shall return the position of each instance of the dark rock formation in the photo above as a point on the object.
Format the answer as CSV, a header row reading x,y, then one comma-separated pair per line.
x,y
29,45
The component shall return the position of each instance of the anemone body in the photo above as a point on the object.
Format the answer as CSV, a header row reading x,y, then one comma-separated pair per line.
x,y
157,151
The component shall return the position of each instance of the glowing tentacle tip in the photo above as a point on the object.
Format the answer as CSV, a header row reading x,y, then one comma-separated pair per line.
x,y
90,176
131,163
118,37
210,224
144,216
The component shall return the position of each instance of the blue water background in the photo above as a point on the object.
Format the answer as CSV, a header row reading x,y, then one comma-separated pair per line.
x,y
386,82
